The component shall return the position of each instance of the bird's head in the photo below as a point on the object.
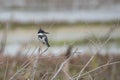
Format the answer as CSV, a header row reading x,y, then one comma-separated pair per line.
x,y
42,31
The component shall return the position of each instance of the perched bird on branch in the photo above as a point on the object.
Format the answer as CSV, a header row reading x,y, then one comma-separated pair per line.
x,y
42,36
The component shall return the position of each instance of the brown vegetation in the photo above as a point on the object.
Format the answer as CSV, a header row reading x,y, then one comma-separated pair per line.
x,y
48,65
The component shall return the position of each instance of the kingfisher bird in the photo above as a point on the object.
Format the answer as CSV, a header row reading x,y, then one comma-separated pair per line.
x,y
42,36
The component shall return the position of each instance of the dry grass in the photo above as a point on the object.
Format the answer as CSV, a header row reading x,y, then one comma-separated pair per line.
x,y
48,65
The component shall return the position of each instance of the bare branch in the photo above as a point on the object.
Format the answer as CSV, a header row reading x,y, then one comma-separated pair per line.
x,y
4,39
107,64
35,65
19,70
69,77
44,76
85,66
6,71
61,66
90,77
108,35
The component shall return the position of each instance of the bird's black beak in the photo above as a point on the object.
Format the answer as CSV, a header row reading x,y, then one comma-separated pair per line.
x,y
46,32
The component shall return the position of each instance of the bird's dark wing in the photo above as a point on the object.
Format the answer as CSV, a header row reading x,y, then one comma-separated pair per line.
x,y
46,40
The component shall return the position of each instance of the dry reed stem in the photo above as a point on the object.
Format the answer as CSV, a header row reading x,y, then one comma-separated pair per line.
x,y
107,64
35,65
68,76
62,65
79,75
26,65
90,77
36,62
42,78
19,71
6,71
31,57
108,35
4,39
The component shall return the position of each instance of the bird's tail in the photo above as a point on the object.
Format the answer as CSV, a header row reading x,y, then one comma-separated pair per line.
x,y
48,45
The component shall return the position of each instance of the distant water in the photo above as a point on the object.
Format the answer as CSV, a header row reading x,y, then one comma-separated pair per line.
x,y
57,50
21,40
73,16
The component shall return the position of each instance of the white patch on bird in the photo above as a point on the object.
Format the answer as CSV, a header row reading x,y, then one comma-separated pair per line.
x,y
42,40
40,34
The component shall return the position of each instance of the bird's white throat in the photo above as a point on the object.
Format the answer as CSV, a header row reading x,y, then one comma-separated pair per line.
x,y
40,34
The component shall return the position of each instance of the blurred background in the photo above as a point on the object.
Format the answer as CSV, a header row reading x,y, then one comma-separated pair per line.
x,y
90,26
69,22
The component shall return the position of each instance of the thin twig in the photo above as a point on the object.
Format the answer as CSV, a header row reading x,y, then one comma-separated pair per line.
x,y
69,77
90,77
109,37
36,62
35,65
6,71
107,64
19,70
30,57
44,51
4,39
61,66
85,66
44,76
24,67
